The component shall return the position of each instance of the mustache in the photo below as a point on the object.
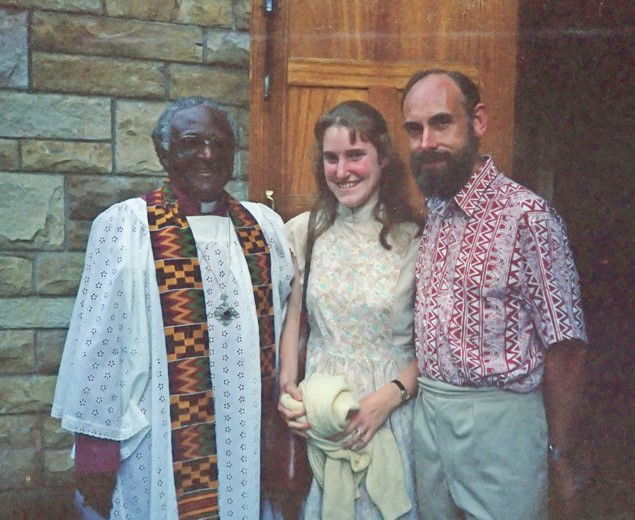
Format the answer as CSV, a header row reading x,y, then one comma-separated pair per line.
x,y
423,157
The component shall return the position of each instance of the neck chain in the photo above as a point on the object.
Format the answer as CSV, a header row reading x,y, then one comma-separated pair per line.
x,y
224,312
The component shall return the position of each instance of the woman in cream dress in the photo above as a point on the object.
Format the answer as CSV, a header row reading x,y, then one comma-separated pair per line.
x,y
361,244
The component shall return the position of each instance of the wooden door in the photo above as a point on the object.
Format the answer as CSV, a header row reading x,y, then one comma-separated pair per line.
x,y
316,53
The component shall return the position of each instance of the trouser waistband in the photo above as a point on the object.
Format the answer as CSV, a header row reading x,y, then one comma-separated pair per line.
x,y
442,389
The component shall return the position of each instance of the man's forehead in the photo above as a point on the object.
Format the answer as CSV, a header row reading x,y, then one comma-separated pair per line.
x,y
200,118
433,94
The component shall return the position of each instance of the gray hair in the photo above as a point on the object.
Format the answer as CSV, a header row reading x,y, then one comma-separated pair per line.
x,y
162,131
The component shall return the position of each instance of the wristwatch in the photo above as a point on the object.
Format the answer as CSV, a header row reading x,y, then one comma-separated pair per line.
x,y
405,395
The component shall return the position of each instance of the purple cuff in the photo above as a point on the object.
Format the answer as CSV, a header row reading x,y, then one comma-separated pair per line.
x,y
94,455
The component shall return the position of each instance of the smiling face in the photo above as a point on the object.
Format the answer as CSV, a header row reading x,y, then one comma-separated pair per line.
x,y
351,166
442,137
201,155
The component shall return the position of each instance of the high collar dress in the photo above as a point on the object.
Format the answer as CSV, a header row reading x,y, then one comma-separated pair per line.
x,y
360,308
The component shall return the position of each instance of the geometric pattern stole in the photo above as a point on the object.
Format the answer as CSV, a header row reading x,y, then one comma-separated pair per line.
x,y
178,273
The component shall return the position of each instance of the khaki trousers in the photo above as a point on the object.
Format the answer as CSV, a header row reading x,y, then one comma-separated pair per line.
x,y
480,453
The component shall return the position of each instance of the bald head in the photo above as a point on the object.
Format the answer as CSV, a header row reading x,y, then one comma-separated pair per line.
x,y
469,90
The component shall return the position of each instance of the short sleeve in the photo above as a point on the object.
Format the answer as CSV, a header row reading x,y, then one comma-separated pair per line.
x,y
276,238
106,360
550,284
297,231
403,303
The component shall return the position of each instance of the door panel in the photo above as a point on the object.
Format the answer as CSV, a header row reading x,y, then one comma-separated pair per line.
x,y
318,53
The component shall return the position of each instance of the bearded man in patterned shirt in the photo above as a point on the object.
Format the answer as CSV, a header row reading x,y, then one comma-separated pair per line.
x,y
499,330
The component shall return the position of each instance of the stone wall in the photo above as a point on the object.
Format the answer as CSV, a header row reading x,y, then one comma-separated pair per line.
x,y
81,84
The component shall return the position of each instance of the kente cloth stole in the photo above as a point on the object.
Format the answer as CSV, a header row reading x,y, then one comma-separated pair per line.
x,y
194,456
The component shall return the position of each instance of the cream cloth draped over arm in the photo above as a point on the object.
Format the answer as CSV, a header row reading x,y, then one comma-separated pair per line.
x,y
328,400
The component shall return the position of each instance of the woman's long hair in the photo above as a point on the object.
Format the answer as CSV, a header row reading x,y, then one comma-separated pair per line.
x,y
365,122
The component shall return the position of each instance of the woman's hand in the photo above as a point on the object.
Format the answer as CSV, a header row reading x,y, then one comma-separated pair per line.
x,y
291,416
372,414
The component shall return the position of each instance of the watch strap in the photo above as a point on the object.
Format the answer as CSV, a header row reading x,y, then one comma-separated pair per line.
x,y
405,395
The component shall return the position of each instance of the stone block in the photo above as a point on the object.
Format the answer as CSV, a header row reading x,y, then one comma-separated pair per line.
x,y
32,215
14,55
216,13
78,231
49,345
228,87
66,156
20,468
134,122
58,466
15,276
35,312
158,10
89,196
96,75
39,503
53,436
242,15
26,394
58,273
17,351
203,12
54,116
227,48
9,156
85,6
19,431
54,32
241,117
241,165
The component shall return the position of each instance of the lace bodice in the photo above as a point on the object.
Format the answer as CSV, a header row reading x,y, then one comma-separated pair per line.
x,y
359,297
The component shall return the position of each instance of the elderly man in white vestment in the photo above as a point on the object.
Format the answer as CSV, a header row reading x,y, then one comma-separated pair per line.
x,y
171,352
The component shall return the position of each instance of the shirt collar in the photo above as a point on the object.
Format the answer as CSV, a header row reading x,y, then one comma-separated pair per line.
x,y
469,195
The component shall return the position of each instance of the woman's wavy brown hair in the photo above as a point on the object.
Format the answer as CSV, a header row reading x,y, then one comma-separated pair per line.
x,y
365,122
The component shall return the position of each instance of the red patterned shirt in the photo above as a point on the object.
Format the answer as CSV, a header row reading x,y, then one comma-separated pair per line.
x,y
496,285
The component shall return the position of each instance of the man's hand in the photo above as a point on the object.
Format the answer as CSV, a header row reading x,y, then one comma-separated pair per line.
x,y
97,491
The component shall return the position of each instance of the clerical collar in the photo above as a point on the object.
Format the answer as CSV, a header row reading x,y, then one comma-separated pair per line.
x,y
190,206
208,207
